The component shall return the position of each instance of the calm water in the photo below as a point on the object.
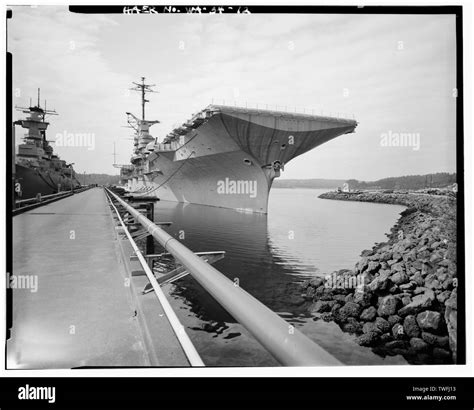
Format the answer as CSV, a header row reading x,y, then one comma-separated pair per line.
x,y
301,236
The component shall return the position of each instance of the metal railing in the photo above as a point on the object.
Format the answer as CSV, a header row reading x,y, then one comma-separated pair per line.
x,y
188,347
24,205
288,345
41,198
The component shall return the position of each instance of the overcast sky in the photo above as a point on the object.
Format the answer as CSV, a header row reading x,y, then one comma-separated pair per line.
x,y
392,73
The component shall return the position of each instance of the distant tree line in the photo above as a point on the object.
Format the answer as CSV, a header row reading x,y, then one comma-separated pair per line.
x,y
438,180
308,183
100,179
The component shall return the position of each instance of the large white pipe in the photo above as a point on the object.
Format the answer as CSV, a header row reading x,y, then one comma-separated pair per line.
x,y
288,345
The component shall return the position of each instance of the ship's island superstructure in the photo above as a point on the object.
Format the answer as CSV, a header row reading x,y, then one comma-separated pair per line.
x,y
223,156
37,169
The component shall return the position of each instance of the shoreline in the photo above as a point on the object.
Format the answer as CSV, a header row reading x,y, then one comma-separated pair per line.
x,y
401,296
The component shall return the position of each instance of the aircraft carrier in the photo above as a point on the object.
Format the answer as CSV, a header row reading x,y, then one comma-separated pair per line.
x,y
223,156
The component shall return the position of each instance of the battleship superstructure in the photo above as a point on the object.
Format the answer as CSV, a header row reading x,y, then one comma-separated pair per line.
x,y
223,156
37,169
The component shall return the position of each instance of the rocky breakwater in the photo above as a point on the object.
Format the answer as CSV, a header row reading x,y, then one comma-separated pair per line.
x,y
401,296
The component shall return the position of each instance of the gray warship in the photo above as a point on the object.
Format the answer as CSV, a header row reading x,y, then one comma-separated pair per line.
x,y
37,169
223,156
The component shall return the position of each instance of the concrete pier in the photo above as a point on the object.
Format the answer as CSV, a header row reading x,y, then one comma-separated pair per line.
x,y
84,311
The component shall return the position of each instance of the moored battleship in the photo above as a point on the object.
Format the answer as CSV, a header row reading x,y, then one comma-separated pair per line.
x,y
223,156
37,169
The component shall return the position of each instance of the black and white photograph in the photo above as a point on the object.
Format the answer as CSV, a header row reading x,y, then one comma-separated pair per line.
x,y
235,186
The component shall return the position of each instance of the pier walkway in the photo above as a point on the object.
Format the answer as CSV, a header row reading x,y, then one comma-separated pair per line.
x,y
83,312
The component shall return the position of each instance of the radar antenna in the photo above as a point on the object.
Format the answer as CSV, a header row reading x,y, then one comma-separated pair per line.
x,y
143,88
43,111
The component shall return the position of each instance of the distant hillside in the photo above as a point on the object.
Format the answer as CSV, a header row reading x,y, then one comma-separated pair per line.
x,y
438,180
307,183
100,179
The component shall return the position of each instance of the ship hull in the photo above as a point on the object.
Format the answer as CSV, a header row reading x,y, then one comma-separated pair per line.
x,y
215,180
33,182
229,160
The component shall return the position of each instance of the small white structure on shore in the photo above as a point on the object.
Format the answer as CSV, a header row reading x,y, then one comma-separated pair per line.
x,y
345,187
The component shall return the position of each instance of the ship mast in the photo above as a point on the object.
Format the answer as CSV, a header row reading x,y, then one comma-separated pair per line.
x,y
115,159
141,126
143,89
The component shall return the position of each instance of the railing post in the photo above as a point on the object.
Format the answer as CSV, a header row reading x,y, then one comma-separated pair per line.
x,y
150,241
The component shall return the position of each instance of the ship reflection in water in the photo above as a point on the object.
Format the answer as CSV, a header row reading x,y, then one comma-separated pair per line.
x,y
270,255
